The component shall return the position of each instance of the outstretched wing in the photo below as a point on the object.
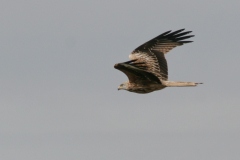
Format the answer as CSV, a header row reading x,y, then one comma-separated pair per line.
x,y
152,52
136,72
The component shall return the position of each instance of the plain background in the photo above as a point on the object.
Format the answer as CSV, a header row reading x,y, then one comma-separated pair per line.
x,y
58,87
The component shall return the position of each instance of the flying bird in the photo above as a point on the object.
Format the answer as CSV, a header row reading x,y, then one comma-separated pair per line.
x,y
147,69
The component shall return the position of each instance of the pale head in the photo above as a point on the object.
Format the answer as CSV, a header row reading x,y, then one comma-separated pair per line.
x,y
124,86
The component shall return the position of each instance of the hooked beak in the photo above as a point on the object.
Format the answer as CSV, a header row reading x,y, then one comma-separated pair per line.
x,y
119,88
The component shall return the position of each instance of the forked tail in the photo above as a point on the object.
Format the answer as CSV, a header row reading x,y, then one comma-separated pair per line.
x,y
180,84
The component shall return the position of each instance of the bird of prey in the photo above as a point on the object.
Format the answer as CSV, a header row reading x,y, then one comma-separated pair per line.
x,y
147,69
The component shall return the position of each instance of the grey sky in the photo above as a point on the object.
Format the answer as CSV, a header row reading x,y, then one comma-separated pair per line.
x,y
59,98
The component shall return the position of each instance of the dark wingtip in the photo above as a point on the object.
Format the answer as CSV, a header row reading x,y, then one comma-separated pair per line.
x,y
177,36
186,42
175,32
163,34
180,30
116,65
182,38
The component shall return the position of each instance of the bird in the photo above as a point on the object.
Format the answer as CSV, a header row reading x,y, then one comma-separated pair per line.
x,y
147,69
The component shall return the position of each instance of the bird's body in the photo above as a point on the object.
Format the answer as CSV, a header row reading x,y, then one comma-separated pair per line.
x,y
147,70
143,87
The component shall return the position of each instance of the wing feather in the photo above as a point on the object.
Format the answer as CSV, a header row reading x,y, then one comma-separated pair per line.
x,y
152,53
136,72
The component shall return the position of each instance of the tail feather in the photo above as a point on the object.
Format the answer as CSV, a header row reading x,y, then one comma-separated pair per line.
x,y
180,84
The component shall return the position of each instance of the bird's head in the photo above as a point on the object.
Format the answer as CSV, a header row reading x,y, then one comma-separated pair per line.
x,y
124,86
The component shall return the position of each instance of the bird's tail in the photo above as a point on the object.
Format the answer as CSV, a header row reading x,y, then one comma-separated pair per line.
x,y
180,84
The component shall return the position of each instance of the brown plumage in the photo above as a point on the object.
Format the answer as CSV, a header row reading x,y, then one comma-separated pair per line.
x,y
147,70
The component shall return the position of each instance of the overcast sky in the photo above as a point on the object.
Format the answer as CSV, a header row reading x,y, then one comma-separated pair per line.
x,y
58,88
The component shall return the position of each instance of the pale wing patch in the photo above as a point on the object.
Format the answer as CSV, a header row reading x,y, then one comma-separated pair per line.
x,y
150,61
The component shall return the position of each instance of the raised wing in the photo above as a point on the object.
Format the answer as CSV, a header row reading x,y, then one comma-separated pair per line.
x,y
136,72
152,52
